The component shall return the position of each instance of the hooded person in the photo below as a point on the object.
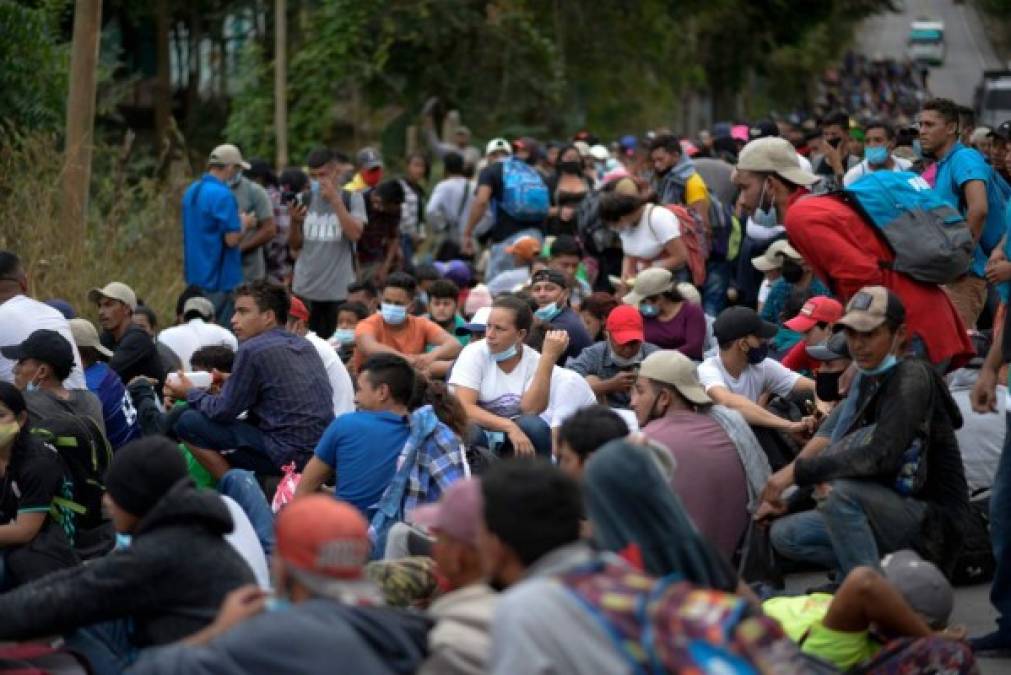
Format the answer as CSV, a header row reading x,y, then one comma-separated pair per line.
x,y
634,511
162,587
324,608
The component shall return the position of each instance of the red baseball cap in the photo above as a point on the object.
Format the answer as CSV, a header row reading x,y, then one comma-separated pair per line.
x,y
624,324
298,309
820,309
324,536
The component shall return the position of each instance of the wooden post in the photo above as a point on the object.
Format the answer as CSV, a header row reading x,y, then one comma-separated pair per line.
x,y
80,119
163,80
281,82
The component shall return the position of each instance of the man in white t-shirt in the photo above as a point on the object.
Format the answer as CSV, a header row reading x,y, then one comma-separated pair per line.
x,y
197,330
742,373
20,316
879,141
336,372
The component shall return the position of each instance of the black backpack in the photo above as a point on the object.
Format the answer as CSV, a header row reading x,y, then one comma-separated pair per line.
x,y
975,563
86,453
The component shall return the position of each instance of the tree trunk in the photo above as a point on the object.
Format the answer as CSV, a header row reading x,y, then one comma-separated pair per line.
x,y
281,81
80,123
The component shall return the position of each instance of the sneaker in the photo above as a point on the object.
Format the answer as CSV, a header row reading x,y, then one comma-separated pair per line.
x,y
997,642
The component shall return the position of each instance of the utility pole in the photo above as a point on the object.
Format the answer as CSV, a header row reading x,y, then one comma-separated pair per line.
x,y
281,82
80,120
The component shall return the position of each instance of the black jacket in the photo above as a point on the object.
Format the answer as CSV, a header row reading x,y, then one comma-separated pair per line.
x,y
897,404
135,354
170,581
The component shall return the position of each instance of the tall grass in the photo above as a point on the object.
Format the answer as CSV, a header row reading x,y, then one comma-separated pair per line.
x,y
134,233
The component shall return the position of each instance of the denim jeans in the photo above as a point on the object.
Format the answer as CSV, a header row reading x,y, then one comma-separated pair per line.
x,y
241,486
240,443
224,307
499,261
535,428
106,645
714,291
857,523
1000,535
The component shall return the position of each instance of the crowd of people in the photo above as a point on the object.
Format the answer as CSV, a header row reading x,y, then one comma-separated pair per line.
x,y
578,407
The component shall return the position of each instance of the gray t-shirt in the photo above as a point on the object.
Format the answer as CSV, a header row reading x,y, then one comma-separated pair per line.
x,y
43,405
325,266
252,198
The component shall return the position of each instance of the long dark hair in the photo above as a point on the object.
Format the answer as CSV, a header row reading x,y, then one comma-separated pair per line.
x,y
446,405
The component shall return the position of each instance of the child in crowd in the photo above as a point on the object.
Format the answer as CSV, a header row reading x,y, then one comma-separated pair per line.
x,y
348,316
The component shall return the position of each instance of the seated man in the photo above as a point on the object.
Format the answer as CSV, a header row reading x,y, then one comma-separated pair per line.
x,y
133,351
461,639
394,331
891,475
565,256
324,612
444,309
362,447
610,366
742,373
118,410
340,381
42,362
197,330
814,323
550,290
278,380
721,468
163,587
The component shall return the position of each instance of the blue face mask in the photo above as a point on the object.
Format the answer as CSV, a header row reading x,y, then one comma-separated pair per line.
x,y
649,311
393,314
504,356
32,386
758,354
876,156
277,604
344,335
235,180
887,364
548,312
762,216
123,541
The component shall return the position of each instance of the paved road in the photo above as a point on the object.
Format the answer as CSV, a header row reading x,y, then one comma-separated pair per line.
x,y
968,50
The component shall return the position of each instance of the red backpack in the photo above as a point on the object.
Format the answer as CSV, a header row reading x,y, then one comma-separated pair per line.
x,y
693,235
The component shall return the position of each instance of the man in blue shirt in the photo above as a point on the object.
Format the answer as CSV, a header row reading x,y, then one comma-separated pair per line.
x,y
967,183
278,381
212,230
121,424
362,447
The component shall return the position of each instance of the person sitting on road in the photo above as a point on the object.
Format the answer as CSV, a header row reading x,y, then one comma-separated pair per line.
x,y
891,475
550,290
196,330
814,322
583,434
671,322
340,381
278,380
133,350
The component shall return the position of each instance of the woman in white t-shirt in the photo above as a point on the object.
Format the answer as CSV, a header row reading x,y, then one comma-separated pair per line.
x,y
504,385
650,234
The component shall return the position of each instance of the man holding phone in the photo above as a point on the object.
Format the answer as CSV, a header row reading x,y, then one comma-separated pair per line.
x,y
611,367
322,238
836,160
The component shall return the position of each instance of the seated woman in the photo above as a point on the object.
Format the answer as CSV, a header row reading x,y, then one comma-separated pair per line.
x,y
594,311
504,385
34,531
670,321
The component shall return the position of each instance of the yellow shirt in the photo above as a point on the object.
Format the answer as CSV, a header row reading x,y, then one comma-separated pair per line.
x,y
801,618
696,190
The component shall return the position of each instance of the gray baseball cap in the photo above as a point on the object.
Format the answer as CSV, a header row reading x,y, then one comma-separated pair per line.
x,y
922,585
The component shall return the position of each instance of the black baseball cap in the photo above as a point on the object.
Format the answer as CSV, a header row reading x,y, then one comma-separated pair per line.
x,y
550,275
735,323
43,345
763,129
1002,131
831,350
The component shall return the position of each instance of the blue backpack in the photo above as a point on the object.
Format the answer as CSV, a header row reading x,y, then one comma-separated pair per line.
x,y
931,241
524,194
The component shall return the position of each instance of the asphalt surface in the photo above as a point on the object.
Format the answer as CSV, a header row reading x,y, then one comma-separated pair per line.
x,y
968,51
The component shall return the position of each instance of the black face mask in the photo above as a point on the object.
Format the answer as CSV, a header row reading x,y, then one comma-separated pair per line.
x,y
826,386
574,168
792,271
